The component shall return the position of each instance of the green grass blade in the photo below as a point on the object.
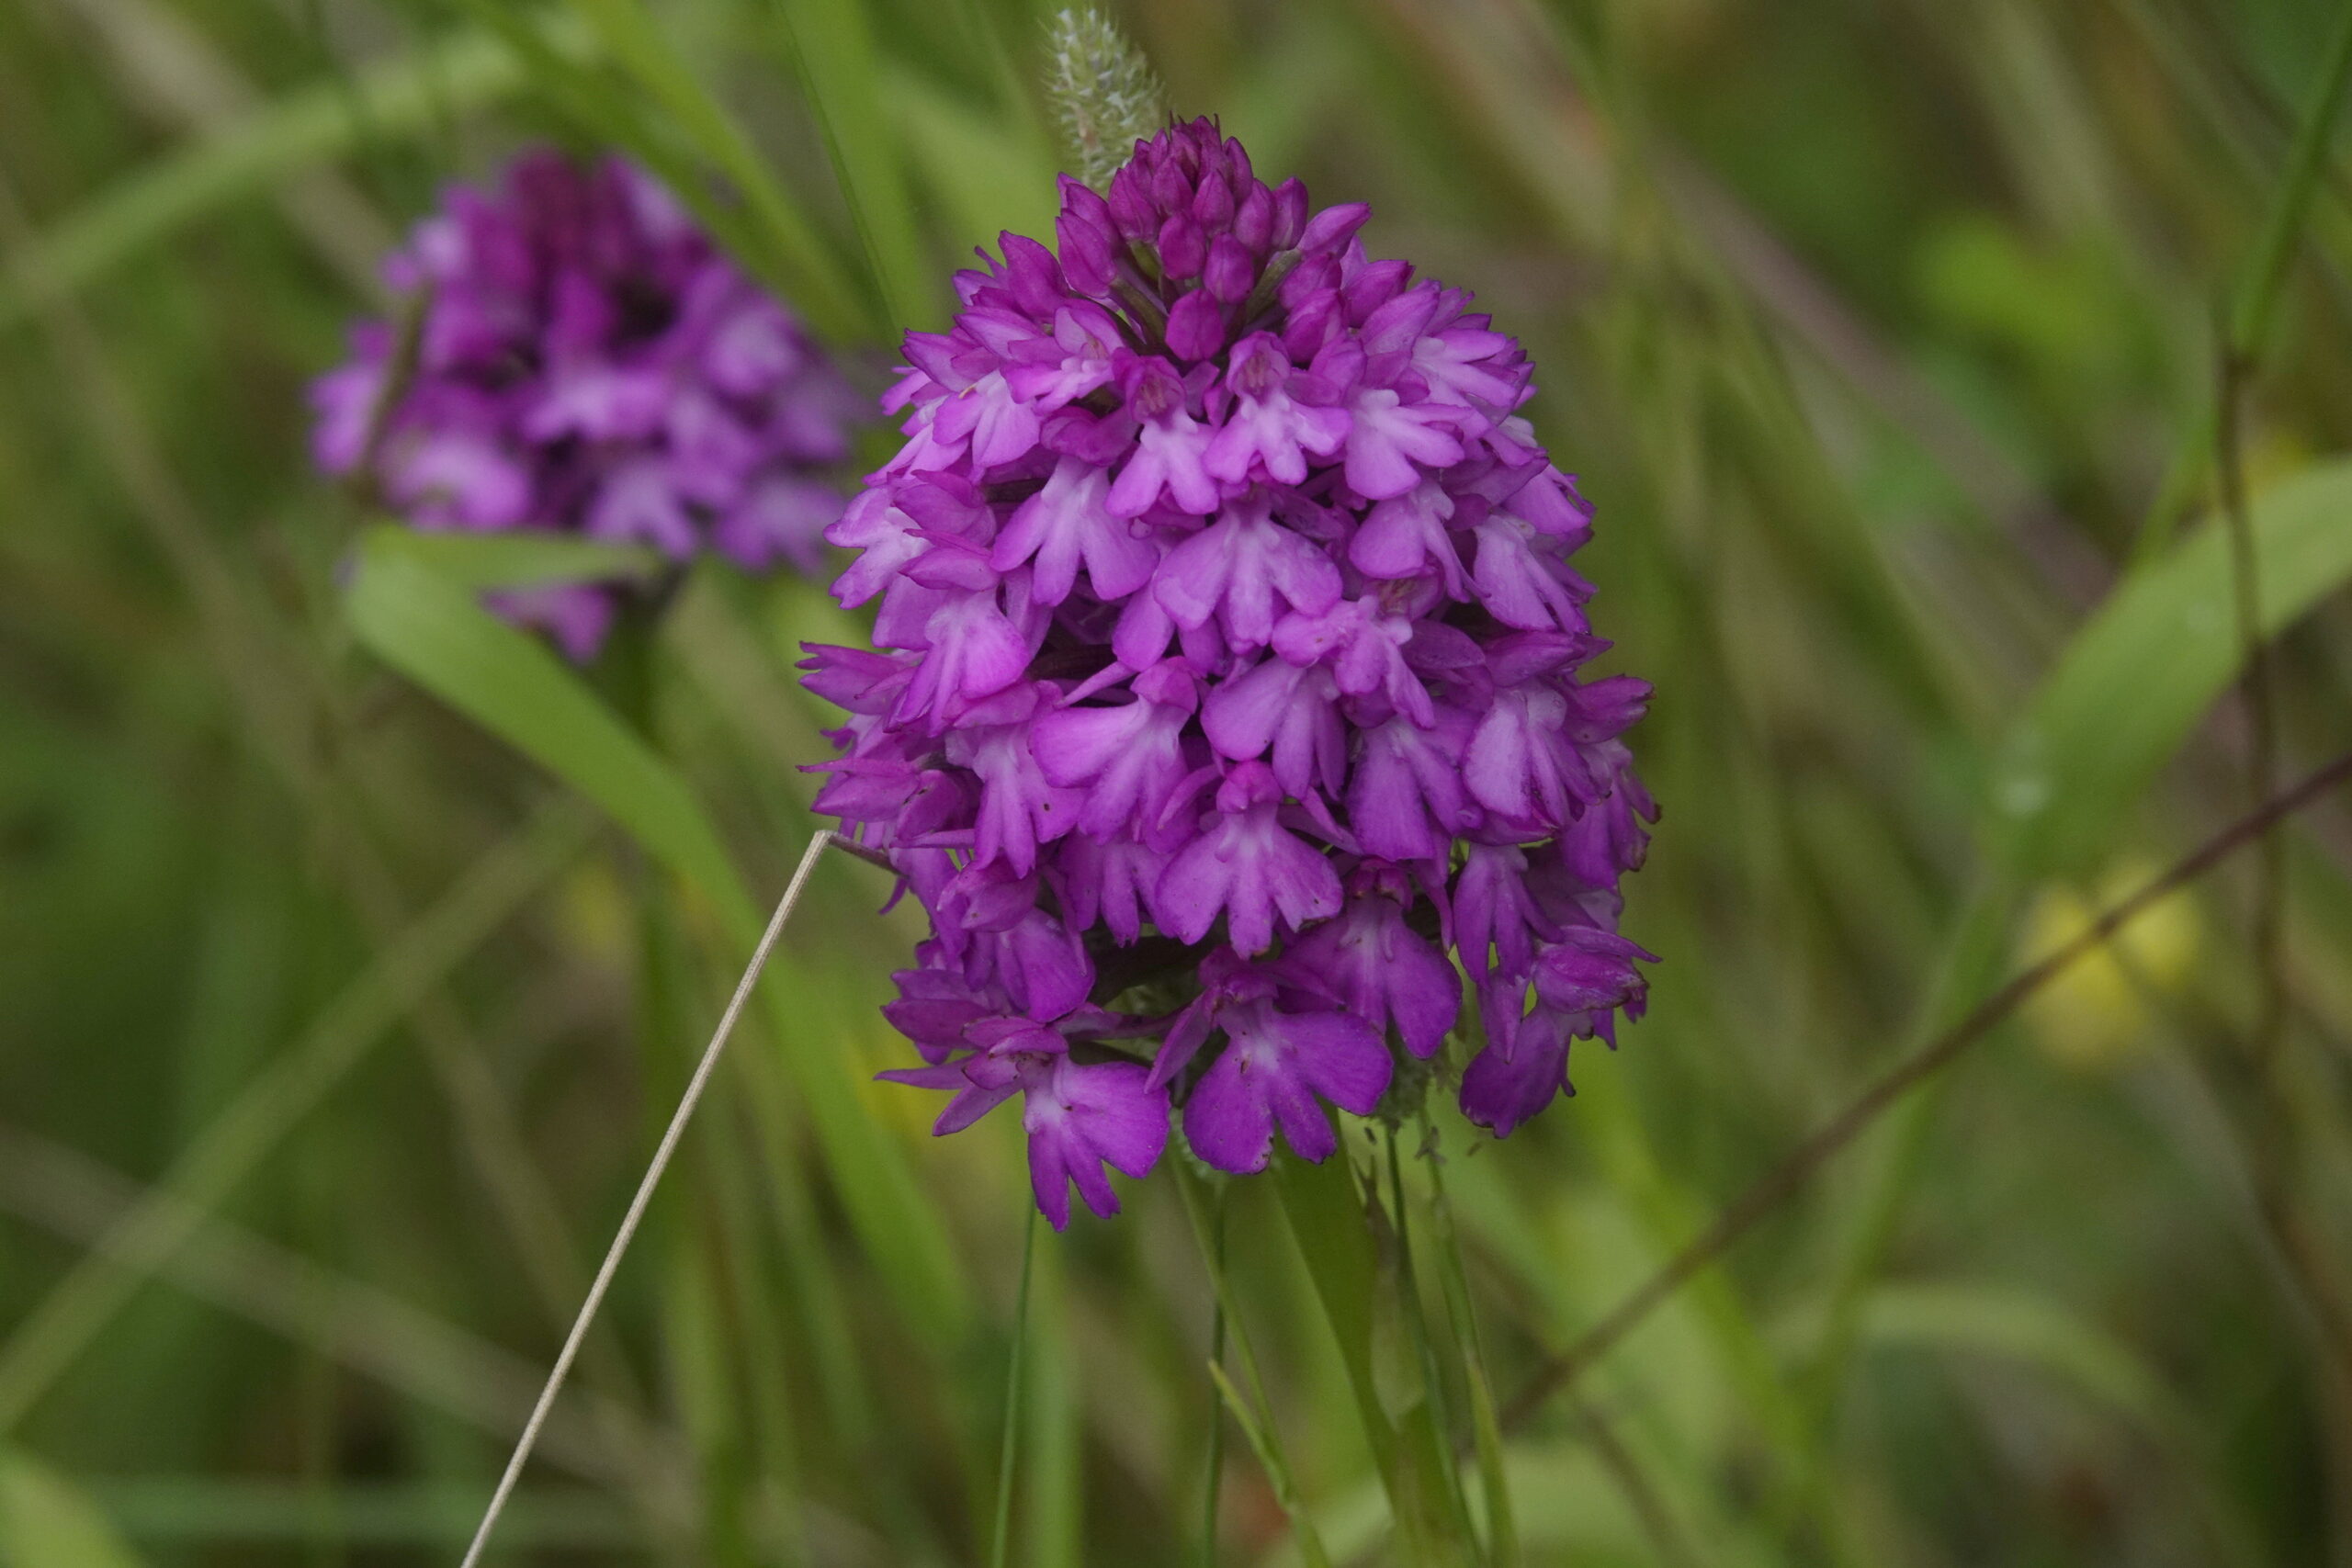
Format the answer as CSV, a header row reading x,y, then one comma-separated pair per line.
x,y
309,125
2253,305
831,44
984,177
1399,1270
801,260
1009,1444
1055,1488
46,1341
2010,1324
513,560
1327,1219
46,1521
432,631
1502,1526
2126,693
1256,1421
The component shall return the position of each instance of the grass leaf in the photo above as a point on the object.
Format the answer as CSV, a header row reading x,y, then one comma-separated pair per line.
x,y
309,125
513,559
432,631
1327,1219
48,1522
2014,1326
797,255
831,43
984,178
2127,691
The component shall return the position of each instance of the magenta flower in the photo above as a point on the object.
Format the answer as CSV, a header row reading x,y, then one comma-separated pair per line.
x,y
1229,703
587,362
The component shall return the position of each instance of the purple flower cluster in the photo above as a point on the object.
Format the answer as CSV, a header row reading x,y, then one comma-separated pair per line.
x,y
586,361
1229,695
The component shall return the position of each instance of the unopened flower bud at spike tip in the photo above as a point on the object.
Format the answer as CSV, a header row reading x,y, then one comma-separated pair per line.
x,y
1105,96
1229,690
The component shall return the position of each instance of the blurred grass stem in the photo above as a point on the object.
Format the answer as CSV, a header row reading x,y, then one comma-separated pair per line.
x,y
2254,307
281,721
1255,1415
1502,1528
1213,1480
2269,911
46,1341
635,1215
1795,1170
1009,1448
1417,1328
420,1355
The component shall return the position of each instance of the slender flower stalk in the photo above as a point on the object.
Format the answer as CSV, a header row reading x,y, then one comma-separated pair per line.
x,y
584,361
1228,704
1213,1469
1252,1412
1009,1444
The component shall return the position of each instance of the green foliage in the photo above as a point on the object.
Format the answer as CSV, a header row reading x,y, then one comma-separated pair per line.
x,y
301,128
47,1522
831,42
355,945
2121,700
431,629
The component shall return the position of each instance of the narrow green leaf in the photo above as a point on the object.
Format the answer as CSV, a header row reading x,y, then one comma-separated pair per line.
x,y
514,560
1311,1550
984,176
1502,1526
1257,1421
434,631
308,126
809,273
831,43
48,1522
2011,1325
1327,1219
1054,1444
1994,1320
2152,661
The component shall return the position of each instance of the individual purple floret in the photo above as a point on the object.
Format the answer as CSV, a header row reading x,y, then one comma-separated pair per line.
x,y
586,362
1228,710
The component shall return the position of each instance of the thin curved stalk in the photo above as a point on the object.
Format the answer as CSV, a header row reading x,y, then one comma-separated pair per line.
x,y
1009,1450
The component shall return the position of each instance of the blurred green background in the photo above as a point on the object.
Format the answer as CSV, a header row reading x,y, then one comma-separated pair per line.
x,y
1887,336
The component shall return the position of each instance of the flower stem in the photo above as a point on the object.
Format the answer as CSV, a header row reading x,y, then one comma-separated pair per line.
x,y
1417,1328
1002,1535
1502,1528
1213,1483
2254,304
1258,1426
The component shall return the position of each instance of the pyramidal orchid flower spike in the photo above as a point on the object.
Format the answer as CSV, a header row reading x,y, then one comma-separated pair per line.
x,y
586,361
1228,710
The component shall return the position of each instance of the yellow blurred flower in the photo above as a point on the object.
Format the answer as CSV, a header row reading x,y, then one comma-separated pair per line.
x,y
2097,1013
